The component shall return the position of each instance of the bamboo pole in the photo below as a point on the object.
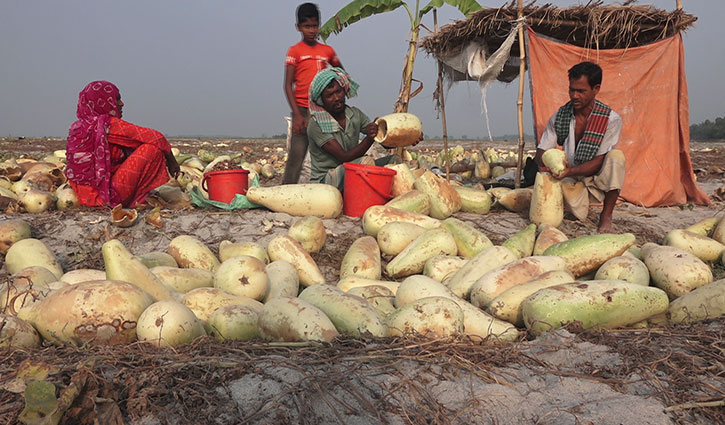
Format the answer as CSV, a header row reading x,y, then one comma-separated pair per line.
x,y
563,23
402,105
443,104
679,4
520,101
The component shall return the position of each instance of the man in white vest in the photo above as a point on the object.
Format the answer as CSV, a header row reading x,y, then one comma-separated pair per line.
x,y
588,132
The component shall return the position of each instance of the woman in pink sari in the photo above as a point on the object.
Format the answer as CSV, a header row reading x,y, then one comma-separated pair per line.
x,y
111,161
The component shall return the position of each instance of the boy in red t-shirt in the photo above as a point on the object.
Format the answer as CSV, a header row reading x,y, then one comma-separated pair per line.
x,y
303,61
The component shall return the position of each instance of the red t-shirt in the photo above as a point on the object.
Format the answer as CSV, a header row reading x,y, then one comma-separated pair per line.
x,y
307,60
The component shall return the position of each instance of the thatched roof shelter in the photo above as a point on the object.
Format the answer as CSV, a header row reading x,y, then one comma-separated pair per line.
x,y
482,48
592,25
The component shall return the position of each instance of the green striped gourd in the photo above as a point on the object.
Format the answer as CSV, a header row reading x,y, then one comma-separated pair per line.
x,y
600,304
351,315
489,259
507,305
586,253
469,240
412,259
522,243
473,200
413,201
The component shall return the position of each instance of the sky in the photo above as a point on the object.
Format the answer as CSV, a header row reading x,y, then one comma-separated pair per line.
x,y
216,67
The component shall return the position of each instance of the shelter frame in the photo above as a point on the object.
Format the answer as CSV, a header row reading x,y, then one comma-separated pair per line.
x,y
646,26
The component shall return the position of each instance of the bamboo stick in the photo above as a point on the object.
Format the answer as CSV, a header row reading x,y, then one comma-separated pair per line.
x,y
402,104
563,23
443,104
520,101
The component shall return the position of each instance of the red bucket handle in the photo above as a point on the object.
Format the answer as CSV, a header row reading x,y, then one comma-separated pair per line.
x,y
203,182
364,175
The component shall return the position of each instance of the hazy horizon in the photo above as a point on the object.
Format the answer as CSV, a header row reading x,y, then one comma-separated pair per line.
x,y
215,68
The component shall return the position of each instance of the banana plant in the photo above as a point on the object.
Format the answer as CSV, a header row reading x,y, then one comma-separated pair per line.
x,y
360,9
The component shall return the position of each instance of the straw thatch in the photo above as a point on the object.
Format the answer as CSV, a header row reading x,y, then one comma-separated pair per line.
x,y
591,25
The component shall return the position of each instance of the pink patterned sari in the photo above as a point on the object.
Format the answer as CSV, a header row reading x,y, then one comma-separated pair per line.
x,y
88,154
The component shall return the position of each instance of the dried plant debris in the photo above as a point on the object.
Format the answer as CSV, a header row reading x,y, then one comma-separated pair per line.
x,y
404,380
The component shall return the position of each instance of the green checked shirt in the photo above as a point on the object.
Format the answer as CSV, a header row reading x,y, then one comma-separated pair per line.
x,y
322,162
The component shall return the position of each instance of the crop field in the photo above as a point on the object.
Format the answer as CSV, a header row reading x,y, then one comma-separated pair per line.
x,y
650,375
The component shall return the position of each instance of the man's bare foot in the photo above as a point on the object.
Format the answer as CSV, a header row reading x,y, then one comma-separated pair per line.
x,y
605,224
605,219
606,228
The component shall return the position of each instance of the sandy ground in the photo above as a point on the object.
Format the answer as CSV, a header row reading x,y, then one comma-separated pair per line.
x,y
550,380
556,391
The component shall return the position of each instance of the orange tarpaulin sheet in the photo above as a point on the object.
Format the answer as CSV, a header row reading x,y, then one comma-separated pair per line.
x,y
647,87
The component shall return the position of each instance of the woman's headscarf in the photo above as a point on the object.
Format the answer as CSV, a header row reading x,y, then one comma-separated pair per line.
x,y
322,79
88,155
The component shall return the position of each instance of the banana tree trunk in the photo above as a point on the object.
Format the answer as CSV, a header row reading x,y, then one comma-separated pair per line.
x,y
402,104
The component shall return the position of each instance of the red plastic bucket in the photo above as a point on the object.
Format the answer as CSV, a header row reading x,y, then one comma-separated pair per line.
x,y
224,184
365,186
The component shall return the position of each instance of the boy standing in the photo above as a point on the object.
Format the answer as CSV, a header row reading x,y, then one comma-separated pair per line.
x,y
303,61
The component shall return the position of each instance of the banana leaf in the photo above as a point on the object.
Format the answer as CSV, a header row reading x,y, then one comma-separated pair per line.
x,y
355,11
360,9
467,7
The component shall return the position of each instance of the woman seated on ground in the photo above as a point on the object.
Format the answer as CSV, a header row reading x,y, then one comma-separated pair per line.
x,y
111,161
